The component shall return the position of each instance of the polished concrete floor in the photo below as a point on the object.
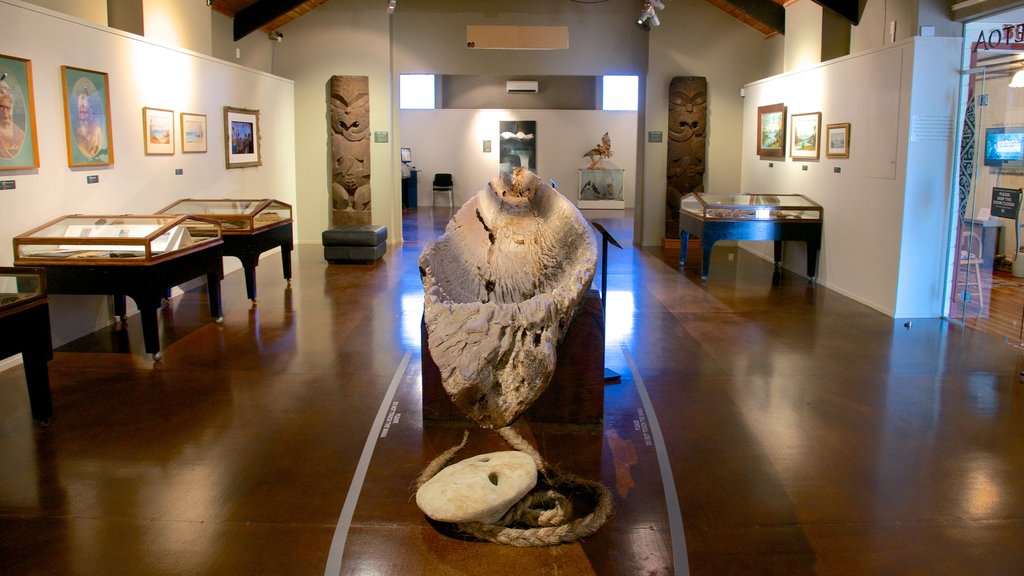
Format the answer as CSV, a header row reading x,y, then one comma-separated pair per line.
x,y
806,434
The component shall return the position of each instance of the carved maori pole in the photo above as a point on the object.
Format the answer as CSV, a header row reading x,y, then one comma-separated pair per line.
x,y
349,111
687,130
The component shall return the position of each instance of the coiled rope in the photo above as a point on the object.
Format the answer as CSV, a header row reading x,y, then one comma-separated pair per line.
x,y
546,513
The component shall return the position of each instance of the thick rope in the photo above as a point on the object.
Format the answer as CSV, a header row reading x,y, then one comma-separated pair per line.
x,y
546,513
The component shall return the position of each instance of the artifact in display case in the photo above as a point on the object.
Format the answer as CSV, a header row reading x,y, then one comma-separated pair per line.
x,y
86,240
601,188
250,228
139,256
25,318
774,217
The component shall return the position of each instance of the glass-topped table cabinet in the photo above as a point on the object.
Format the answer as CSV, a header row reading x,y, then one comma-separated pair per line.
x,y
25,323
250,228
86,240
139,256
774,217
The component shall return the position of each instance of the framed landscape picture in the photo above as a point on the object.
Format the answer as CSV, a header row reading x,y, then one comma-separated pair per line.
x,y
158,131
837,140
87,117
242,137
18,146
193,132
806,136
771,131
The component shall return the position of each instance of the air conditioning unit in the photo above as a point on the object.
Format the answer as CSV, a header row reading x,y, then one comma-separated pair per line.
x,y
521,87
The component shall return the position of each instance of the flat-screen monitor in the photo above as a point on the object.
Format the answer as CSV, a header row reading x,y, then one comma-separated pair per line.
x,y
1004,146
406,155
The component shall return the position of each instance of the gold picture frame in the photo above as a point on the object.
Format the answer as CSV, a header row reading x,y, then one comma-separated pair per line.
x,y
90,140
242,147
158,131
193,132
19,147
805,136
837,140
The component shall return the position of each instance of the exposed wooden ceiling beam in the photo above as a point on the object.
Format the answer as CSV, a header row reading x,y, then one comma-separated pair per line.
x,y
260,13
770,14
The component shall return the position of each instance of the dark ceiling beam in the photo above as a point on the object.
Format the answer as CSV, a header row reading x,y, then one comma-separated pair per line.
x,y
848,9
766,12
260,14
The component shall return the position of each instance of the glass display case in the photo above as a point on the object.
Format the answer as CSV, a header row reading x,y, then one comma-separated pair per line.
x,y
771,217
250,228
88,239
235,216
20,287
751,207
601,188
25,323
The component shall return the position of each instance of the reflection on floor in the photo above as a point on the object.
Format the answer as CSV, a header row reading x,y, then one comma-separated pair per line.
x,y
807,433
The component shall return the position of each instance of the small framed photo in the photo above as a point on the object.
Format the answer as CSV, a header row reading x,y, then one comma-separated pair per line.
x,y
771,131
242,137
837,140
18,146
87,117
158,131
193,132
806,136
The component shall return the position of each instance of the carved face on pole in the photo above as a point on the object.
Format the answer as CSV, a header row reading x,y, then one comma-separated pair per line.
x,y
688,105
350,107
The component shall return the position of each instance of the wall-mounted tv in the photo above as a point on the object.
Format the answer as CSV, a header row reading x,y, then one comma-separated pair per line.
x,y
1004,146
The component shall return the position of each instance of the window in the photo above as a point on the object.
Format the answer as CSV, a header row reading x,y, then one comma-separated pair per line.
x,y
621,93
416,92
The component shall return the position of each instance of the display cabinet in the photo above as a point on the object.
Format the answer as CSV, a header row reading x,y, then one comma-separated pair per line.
x,y
139,256
250,228
86,240
772,217
601,188
25,323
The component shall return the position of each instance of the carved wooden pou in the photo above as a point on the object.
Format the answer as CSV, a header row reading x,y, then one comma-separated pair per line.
x,y
687,137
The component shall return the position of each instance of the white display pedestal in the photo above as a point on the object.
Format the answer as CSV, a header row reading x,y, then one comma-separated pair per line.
x,y
601,189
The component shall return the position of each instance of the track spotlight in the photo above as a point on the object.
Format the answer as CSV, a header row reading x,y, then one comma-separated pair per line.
x,y
648,15
276,36
391,6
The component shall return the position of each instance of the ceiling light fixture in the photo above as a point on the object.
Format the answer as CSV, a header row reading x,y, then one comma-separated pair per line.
x,y
648,15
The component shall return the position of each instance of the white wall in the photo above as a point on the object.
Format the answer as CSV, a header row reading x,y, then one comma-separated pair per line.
x,y
184,23
886,214
140,73
803,34
697,39
452,141
348,39
94,11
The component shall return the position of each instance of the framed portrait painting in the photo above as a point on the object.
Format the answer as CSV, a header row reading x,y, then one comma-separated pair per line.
x,y
158,131
771,131
87,117
18,146
806,131
193,132
242,137
837,140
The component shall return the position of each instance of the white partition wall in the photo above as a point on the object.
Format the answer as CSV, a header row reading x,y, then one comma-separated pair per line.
x,y
887,206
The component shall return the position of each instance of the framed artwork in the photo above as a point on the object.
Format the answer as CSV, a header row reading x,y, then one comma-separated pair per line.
x,y
18,146
837,140
158,131
87,117
806,131
518,145
771,131
193,132
242,137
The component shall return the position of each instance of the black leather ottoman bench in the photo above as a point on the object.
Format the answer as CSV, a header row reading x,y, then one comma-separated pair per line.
x,y
355,242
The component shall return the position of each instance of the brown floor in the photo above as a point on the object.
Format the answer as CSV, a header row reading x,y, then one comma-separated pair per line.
x,y
807,434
